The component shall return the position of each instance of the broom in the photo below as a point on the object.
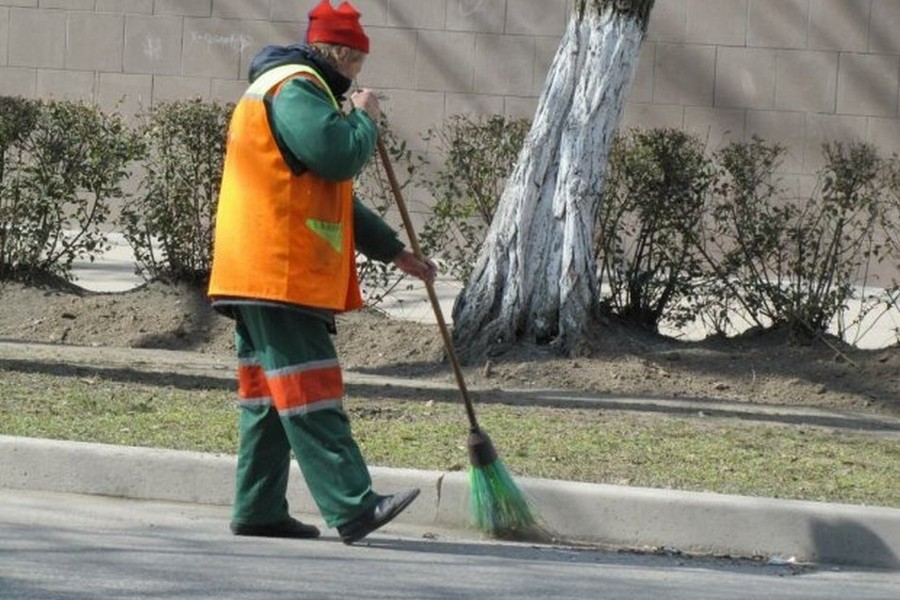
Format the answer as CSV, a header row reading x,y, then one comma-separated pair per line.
x,y
497,505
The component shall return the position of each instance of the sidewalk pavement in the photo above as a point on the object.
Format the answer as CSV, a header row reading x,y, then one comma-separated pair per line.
x,y
573,512
114,272
779,531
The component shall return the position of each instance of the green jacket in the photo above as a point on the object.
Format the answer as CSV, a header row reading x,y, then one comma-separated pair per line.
x,y
335,147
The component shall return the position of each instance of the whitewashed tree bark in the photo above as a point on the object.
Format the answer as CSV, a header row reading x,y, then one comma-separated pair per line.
x,y
535,280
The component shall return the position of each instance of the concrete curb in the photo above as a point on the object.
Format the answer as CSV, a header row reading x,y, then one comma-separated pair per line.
x,y
574,512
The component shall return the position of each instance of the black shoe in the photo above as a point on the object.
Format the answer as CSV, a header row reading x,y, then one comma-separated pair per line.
x,y
289,528
384,511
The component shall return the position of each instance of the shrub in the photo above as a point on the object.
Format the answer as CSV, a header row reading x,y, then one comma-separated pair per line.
x,y
169,223
62,163
743,246
891,226
17,120
835,240
795,262
372,188
478,156
648,225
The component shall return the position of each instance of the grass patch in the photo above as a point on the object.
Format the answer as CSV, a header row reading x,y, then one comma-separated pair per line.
x,y
649,450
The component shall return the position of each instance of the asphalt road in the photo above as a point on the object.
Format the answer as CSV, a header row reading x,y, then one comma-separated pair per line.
x,y
74,547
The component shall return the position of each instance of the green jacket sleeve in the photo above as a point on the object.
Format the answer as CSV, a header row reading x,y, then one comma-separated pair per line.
x,y
373,237
334,146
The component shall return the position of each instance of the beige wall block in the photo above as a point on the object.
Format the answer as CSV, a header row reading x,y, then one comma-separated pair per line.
x,y
18,81
775,62
4,35
212,48
291,10
504,64
169,89
717,22
444,62
668,22
684,74
745,78
868,84
242,9
184,8
65,85
153,44
715,127
258,34
839,25
473,104
648,116
392,61
884,33
795,187
37,38
778,23
884,134
536,17
476,15
141,7
515,107
642,86
782,127
127,95
829,128
68,4
374,12
417,14
806,80
411,114
227,91
95,42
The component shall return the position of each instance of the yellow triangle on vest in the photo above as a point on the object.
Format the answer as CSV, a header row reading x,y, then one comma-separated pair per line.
x,y
330,232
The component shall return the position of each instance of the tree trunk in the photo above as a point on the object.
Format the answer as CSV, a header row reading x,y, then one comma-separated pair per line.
x,y
535,279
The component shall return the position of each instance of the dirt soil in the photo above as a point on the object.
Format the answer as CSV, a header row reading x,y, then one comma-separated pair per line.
x,y
758,368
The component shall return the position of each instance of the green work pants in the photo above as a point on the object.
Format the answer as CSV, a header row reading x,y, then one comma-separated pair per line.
x,y
291,394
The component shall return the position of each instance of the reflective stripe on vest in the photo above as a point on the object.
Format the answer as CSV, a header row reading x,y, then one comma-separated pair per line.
x,y
280,236
273,77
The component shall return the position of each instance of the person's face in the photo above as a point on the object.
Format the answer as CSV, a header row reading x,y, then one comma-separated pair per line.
x,y
350,63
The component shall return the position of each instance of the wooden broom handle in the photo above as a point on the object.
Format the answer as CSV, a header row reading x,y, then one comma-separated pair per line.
x,y
432,295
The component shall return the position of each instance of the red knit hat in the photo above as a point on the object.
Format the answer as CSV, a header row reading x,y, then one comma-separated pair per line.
x,y
336,26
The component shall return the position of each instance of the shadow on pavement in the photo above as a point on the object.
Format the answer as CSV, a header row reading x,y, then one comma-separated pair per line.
x,y
842,538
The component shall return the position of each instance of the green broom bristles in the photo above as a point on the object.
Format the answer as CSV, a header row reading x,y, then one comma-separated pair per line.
x,y
498,506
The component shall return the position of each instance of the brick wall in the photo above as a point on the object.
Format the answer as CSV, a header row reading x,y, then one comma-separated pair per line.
x,y
798,72
794,71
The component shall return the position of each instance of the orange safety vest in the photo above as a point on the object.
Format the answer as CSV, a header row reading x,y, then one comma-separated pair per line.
x,y
280,236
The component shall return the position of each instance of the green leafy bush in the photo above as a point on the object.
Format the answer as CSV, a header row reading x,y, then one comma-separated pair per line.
x,y
373,189
17,119
478,156
169,223
835,240
648,225
891,226
62,163
795,262
743,245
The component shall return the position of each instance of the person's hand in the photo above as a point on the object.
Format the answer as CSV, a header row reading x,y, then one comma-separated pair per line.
x,y
366,101
411,264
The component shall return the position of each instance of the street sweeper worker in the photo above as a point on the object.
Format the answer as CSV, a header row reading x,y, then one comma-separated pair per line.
x,y
287,228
